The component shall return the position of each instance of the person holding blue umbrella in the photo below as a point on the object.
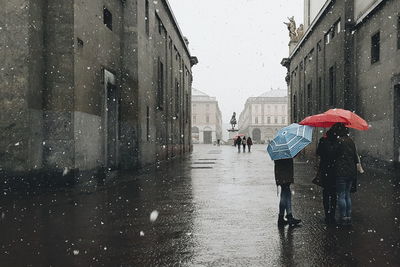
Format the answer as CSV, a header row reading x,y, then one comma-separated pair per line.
x,y
288,142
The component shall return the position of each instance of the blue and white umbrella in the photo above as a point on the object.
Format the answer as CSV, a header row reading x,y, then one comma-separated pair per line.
x,y
289,141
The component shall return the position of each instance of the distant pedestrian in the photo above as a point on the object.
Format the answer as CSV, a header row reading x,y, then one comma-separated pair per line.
x,y
239,143
218,142
249,143
244,143
326,175
284,178
346,160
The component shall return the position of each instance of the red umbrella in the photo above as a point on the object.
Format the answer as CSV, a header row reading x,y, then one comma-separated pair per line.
x,y
323,120
355,121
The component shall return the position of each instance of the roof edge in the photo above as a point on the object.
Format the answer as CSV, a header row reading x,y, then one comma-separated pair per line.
x,y
182,37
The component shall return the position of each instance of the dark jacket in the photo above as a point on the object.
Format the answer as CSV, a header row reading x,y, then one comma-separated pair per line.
x,y
284,171
249,142
325,151
238,141
346,158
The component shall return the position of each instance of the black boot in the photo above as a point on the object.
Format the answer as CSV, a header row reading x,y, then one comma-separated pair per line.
x,y
292,221
282,221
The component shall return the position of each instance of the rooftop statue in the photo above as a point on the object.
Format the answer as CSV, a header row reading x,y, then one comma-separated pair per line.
x,y
295,34
291,25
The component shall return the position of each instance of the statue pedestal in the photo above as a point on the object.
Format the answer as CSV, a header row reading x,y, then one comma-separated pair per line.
x,y
232,134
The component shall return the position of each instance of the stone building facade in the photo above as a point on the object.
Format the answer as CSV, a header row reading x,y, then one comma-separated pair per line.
x,y
206,118
349,58
92,84
264,115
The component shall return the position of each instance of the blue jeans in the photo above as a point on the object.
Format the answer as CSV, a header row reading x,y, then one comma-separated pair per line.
x,y
343,187
286,200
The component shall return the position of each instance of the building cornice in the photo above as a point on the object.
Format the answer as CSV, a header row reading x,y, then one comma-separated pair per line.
x,y
369,11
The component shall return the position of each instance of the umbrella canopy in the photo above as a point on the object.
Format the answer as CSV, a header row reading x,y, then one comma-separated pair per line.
x,y
238,135
323,120
355,121
289,141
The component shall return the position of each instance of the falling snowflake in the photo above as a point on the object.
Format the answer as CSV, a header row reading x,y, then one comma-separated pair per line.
x,y
154,216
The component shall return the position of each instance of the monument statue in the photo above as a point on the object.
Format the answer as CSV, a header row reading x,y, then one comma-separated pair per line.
x,y
233,120
295,34
291,25
300,32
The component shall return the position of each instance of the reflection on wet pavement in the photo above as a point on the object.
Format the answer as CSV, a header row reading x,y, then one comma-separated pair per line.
x,y
215,208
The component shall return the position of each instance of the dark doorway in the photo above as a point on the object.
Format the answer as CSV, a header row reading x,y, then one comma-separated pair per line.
x,y
111,121
207,137
257,135
397,123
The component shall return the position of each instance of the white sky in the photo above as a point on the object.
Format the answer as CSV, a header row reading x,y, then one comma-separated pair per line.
x,y
239,44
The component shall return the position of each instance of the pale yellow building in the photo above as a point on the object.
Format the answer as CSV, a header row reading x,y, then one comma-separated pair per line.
x,y
264,115
206,118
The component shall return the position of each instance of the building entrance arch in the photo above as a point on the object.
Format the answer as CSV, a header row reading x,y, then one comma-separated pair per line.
x,y
256,135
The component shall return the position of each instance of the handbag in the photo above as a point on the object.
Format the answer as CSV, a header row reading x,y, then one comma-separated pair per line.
x,y
359,166
317,179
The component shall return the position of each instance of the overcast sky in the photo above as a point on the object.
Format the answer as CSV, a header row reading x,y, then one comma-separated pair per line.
x,y
239,43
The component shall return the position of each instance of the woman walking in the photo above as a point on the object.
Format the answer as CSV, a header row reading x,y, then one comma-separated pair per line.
x,y
249,143
346,160
238,143
244,142
327,175
284,178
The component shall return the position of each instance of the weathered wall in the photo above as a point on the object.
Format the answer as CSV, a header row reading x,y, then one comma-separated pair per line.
x,y
21,35
129,83
374,82
174,134
54,56
59,148
100,50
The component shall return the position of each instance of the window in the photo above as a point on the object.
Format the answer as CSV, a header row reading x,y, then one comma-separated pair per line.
x,y
159,24
309,98
398,32
194,118
148,123
375,47
160,87
269,120
294,108
207,118
276,108
332,85
283,120
319,46
327,38
147,18
207,106
320,93
256,120
107,18
338,29
80,42
177,87
276,120
187,108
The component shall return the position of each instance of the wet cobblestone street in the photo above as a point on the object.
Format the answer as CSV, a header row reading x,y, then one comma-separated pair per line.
x,y
216,207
